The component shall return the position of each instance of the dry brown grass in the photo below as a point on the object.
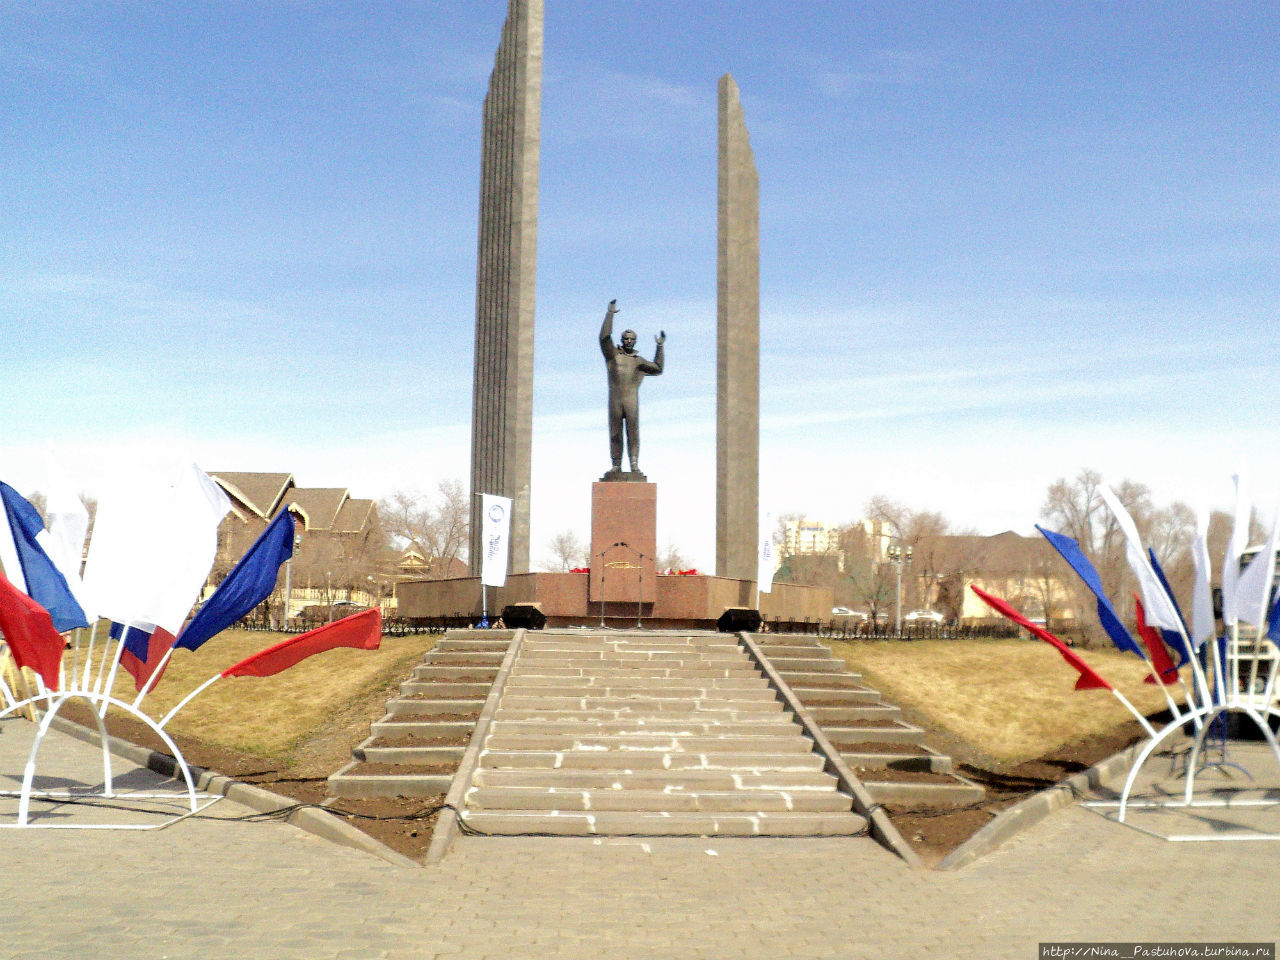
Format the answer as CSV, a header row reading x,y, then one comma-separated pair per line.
x,y
1010,699
269,716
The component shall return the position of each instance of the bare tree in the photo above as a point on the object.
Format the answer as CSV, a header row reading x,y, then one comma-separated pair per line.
x,y
920,530
567,551
672,559
438,527
1076,508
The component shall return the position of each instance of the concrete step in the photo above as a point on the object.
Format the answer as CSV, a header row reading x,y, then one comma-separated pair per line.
x,y
469,659
695,780
535,664
367,754
852,714
445,690
785,665
852,733
632,646
779,725
349,782
665,824
920,758
957,792
652,673
647,699
658,801
592,686
470,645
422,728
815,696
803,678
427,707
638,714
636,744
436,673
790,650
738,761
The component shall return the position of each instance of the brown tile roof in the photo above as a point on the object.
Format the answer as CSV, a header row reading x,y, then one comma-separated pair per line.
x,y
318,506
1002,553
260,493
354,516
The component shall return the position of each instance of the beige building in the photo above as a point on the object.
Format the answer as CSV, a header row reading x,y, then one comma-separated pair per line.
x,y
1026,571
808,537
340,552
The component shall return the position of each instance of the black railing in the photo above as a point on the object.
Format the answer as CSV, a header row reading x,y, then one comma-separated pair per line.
x,y
869,630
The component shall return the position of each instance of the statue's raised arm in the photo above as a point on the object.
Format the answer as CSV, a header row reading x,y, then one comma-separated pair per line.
x,y
606,330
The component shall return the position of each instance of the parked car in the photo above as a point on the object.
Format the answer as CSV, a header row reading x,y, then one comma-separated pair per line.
x,y
926,616
849,613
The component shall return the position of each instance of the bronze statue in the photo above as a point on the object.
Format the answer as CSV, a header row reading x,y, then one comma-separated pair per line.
x,y
626,369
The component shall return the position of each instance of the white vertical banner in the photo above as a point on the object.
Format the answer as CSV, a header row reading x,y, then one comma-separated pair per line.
x,y
1235,547
495,528
1201,594
767,554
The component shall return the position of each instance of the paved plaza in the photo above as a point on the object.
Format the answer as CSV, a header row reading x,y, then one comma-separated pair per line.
x,y
230,884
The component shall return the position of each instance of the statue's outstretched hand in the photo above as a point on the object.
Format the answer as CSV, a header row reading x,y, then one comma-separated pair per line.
x,y
661,337
613,307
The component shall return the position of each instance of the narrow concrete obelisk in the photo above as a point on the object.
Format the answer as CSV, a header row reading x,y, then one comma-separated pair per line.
x,y
737,345
502,398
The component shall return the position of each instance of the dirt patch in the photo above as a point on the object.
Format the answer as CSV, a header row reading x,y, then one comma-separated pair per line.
x,y
895,775
404,825
904,749
435,717
935,831
411,741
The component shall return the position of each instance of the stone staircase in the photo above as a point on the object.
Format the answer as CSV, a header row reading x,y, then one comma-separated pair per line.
x,y
888,755
649,735
415,749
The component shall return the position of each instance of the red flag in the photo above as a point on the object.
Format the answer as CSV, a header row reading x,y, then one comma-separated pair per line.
x,y
28,629
1160,658
1089,679
141,670
360,630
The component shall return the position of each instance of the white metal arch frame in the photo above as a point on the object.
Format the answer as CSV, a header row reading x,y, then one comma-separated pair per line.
x,y
97,700
1204,717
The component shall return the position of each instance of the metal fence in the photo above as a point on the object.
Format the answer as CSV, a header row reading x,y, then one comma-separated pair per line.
x,y
868,630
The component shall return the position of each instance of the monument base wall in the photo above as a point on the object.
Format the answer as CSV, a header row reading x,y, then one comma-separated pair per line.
x,y
680,603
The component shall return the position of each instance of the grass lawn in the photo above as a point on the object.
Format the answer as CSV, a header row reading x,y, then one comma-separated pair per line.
x,y
270,716
1011,699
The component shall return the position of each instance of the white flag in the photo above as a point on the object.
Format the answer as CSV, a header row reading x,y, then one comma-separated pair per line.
x,y
1201,595
1235,548
766,566
63,539
495,528
1159,608
1253,588
153,546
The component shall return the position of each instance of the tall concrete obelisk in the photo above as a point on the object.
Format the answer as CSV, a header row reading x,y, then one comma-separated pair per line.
x,y
502,401
737,345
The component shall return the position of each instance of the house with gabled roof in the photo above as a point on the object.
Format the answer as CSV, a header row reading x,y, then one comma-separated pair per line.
x,y
340,552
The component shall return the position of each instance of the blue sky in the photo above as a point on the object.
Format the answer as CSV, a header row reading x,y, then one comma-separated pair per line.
x,y
245,232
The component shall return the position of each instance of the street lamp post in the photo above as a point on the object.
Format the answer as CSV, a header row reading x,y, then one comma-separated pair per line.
x,y
898,556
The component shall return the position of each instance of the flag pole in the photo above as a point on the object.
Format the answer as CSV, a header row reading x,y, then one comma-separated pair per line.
x,y
75,655
1221,681
155,675
88,657
1136,713
188,698
111,677
8,694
